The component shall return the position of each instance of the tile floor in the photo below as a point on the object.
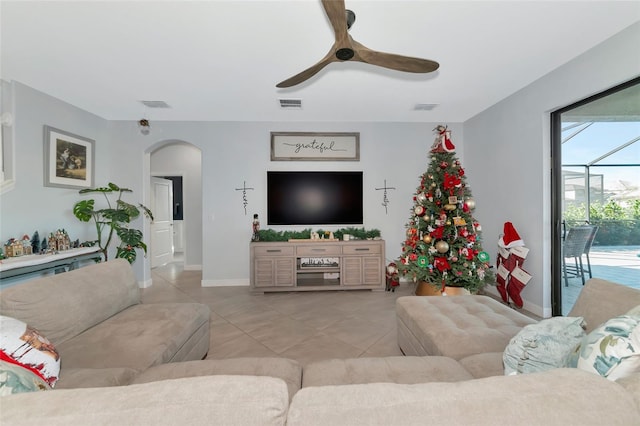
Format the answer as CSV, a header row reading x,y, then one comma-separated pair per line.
x,y
305,326
309,326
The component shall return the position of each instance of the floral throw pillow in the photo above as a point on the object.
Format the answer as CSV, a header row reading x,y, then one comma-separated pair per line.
x,y
613,349
543,346
17,379
24,346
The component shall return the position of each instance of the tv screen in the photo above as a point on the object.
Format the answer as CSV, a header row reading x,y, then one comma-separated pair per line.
x,y
314,198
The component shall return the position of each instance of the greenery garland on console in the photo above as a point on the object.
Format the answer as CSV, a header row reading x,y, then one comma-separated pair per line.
x,y
270,235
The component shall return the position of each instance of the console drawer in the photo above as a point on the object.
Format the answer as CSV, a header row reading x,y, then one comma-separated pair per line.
x,y
320,250
273,251
361,249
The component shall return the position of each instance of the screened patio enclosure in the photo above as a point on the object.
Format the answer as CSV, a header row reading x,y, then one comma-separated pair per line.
x,y
597,141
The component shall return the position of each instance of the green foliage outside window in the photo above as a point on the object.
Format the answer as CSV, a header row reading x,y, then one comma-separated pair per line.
x,y
619,224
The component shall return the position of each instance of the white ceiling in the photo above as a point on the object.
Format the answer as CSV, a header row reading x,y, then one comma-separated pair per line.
x,y
220,60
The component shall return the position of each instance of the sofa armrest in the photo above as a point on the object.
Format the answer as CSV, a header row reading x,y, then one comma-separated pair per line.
x,y
601,300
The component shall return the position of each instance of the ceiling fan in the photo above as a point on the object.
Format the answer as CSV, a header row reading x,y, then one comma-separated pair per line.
x,y
346,48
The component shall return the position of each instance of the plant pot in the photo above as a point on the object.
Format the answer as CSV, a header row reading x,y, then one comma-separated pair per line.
x,y
424,288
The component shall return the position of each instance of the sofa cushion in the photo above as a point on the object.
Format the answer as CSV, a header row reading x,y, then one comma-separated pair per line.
x,y
635,311
17,379
211,400
141,336
71,378
27,347
484,365
601,300
632,384
530,399
439,325
398,369
64,305
543,346
286,369
613,349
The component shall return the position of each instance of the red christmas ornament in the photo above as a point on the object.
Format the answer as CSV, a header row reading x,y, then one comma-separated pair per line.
x,y
461,172
441,264
444,165
450,181
437,233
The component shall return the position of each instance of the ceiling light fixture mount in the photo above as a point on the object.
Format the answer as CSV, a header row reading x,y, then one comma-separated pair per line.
x,y
144,126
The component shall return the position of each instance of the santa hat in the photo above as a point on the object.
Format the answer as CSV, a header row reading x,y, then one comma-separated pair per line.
x,y
510,237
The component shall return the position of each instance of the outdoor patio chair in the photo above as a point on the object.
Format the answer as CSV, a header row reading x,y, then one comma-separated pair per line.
x,y
574,247
587,247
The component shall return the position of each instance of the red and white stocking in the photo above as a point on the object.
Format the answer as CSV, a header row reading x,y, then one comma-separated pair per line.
x,y
518,280
501,279
519,254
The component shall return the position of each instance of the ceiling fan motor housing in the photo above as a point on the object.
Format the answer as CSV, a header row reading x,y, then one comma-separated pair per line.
x,y
344,54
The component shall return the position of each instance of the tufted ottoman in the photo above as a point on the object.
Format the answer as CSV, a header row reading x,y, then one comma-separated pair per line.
x,y
455,326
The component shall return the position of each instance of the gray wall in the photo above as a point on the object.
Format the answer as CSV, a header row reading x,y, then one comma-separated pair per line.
x,y
235,152
31,206
232,152
508,151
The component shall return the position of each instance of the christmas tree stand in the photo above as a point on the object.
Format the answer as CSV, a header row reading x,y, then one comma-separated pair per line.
x,y
424,288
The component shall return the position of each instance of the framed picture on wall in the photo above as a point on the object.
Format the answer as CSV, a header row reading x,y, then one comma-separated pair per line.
x,y
311,146
68,159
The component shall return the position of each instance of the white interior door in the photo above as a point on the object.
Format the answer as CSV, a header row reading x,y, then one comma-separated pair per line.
x,y
162,225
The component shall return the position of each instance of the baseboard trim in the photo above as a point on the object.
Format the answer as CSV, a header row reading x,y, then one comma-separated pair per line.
x,y
529,307
145,284
239,282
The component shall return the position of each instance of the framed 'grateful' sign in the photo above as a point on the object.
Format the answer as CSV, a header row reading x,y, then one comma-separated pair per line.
x,y
310,146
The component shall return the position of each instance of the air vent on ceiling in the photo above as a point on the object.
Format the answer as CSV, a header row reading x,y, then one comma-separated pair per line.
x,y
291,103
155,104
424,107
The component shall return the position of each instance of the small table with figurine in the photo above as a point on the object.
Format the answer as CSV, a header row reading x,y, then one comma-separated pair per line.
x,y
36,263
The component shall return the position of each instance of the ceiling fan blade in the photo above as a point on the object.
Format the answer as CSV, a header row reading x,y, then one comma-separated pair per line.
x,y
309,72
393,61
335,10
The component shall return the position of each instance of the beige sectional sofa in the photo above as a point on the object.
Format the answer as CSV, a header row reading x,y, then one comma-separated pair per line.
x,y
168,385
102,331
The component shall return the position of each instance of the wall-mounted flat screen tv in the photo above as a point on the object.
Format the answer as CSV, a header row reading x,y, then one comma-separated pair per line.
x,y
314,198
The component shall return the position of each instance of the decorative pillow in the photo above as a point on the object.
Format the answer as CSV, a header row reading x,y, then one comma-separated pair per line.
x,y
17,379
26,347
544,346
613,349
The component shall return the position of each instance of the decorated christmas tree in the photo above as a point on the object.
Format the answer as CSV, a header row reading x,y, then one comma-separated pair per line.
x,y
443,240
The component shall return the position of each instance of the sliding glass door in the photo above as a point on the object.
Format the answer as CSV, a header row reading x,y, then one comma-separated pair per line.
x,y
596,192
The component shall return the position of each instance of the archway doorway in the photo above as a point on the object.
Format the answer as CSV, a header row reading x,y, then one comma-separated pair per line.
x,y
183,161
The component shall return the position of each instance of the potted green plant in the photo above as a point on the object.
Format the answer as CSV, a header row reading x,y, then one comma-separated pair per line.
x,y
113,219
